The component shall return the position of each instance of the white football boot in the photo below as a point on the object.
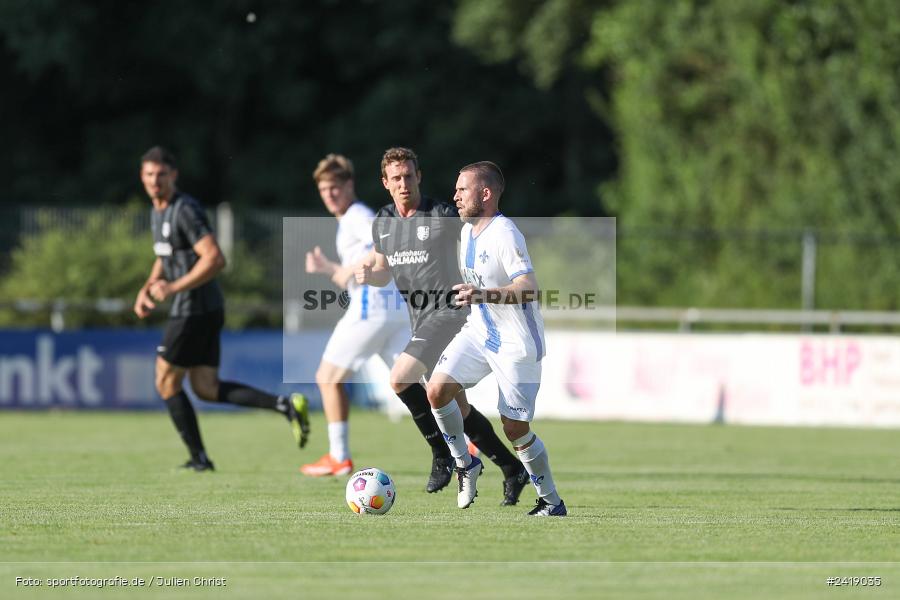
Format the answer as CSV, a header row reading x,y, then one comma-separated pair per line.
x,y
467,476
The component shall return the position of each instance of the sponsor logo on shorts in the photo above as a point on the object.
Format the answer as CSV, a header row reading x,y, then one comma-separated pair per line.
x,y
517,409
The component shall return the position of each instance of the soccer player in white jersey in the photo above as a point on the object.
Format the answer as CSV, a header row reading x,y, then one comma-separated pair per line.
x,y
504,335
376,321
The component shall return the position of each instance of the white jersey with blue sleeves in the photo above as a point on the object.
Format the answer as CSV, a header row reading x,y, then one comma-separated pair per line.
x,y
354,242
492,259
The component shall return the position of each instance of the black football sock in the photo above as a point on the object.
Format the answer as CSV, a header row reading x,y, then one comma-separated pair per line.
x,y
416,400
182,412
243,395
480,431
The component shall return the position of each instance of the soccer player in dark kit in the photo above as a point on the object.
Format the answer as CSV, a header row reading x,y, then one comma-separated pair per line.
x,y
188,259
415,240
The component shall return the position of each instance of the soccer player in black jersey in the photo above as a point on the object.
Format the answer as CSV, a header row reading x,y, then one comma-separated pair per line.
x,y
187,262
415,240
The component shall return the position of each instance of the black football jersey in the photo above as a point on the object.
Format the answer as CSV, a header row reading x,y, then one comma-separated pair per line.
x,y
175,231
422,253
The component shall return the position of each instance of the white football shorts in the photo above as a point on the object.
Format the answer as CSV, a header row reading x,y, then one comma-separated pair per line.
x,y
467,361
355,340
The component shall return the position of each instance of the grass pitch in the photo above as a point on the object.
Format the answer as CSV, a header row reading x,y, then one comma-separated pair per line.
x,y
656,511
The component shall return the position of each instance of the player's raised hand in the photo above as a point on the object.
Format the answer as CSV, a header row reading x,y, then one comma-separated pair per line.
x,y
363,273
143,305
316,261
466,294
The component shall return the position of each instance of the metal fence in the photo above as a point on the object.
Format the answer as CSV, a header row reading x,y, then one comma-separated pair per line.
x,y
605,317
803,258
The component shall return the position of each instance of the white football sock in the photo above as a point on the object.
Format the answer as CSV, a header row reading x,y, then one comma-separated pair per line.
x,y
338,440
450,422
537,463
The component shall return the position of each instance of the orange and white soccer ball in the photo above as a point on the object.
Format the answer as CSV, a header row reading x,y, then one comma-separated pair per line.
x,y
370,491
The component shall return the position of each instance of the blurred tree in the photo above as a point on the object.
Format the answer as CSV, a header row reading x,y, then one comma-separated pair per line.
x,y
108,254
250,105
733,116
76,264
727,114
545,39
758,115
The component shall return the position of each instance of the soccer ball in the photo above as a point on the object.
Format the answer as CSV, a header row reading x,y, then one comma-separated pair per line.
x,y
370,491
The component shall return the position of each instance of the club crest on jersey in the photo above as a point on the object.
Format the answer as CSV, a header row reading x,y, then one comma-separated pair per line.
x,y
166,229
422,232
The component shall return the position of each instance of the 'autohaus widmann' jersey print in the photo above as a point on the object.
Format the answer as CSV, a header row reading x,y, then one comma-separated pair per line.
x,y
421,251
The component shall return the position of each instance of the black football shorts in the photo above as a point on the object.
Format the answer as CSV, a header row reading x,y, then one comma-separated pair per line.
x,y
432,334
193,341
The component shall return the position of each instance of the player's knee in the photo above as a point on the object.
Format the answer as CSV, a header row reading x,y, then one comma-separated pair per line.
x,y
206,392
439,394
515,429
325,377
205,388
398,385
167,387
167,379
435,394
400,380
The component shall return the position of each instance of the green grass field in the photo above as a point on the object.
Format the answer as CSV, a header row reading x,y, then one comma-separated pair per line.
x,y
656,511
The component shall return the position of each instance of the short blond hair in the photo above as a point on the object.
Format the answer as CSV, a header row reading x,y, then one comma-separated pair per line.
x,y
400,155
334,166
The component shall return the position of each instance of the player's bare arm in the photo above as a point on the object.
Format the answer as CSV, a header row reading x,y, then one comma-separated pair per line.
x,y
317,262
523,288
209,263
374,270
143,304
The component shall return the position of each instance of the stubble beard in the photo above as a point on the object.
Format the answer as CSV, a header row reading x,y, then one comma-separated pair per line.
x,y
473,214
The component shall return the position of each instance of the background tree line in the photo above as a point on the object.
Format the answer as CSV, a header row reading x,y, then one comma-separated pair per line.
x,y
715,131
249,108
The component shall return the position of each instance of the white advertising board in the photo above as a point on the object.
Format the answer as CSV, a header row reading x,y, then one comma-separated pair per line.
x,y
783,379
